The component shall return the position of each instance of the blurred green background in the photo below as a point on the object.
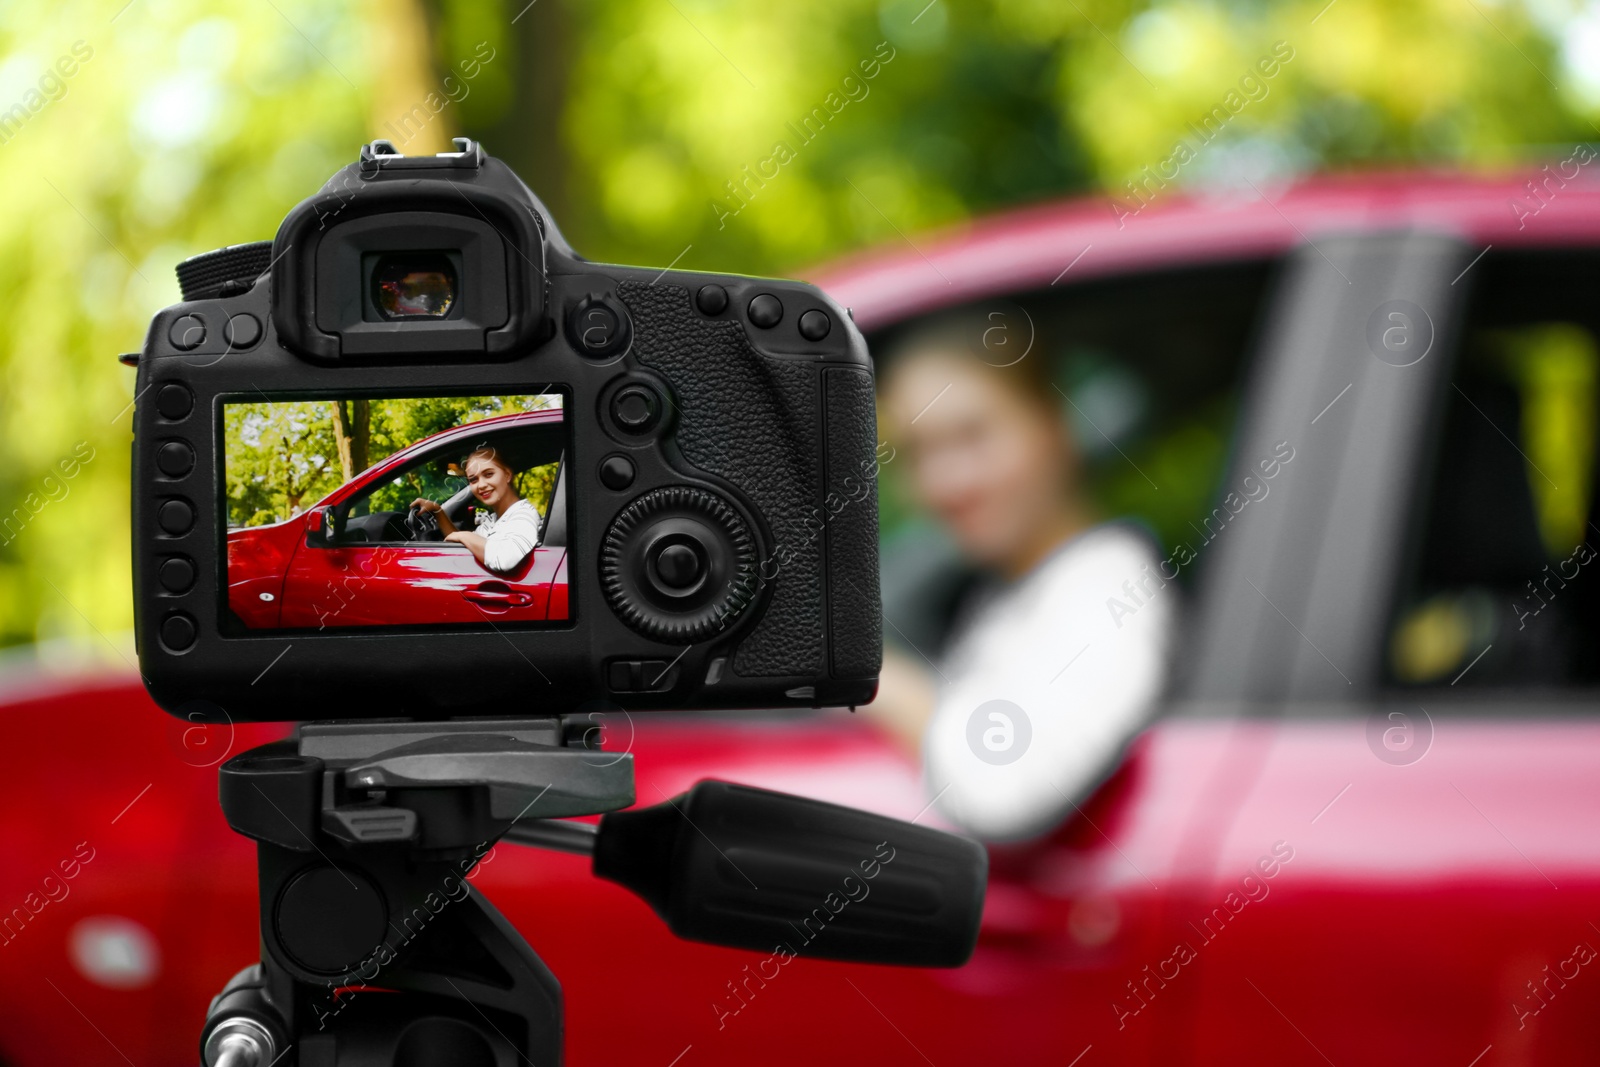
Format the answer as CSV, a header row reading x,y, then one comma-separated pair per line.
x,y
135,135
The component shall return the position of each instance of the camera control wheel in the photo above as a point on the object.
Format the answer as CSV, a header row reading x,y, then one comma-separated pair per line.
x,y
678,564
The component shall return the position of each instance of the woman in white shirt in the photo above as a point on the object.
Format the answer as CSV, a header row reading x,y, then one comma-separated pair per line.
x,y
1053,659
507,528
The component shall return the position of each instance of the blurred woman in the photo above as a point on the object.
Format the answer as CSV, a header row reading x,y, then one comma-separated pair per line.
x,y
1052,660
507,526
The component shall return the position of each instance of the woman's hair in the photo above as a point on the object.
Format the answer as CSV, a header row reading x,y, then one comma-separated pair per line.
x,y
492,454
1001,344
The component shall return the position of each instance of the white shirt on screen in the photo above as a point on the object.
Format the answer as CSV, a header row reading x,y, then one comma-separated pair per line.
x,y
1046,681
510,537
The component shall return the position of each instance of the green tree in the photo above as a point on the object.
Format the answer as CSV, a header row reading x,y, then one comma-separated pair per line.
x,y
183,126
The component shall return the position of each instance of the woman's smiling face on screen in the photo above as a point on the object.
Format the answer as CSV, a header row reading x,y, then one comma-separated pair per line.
x,y
490,482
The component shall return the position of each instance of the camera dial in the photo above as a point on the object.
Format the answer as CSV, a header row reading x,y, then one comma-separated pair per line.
x,y
678,564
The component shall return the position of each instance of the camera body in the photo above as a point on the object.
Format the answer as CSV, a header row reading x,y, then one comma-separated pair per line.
x,y
417,459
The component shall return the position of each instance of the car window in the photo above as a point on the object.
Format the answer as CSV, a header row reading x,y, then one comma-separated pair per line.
x,y
1149,370
1501,587
437,476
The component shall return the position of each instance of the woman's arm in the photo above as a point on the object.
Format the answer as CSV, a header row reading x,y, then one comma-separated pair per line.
x,y
905,701
1048,687
475,542
514,536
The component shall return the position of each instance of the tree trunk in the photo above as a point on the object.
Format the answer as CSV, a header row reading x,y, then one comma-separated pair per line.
x,y
402,56
527,133
352,430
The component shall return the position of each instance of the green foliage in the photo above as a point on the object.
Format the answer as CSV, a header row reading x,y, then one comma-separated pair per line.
x,y
278,456
189,126
990,103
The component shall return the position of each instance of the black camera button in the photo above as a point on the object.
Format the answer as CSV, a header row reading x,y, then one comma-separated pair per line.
x,y
814,325
188,332
598,326
175,459
621,675
177,574
677,568
636,408
766,311
641,675
242,331
176,517
616,472
178,632
712,299
174,401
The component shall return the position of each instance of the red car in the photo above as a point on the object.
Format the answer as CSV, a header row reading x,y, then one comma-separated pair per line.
x,y
351,561
1365,828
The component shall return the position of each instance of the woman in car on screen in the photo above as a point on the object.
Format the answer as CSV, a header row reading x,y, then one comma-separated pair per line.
x,y
507,528
1009,668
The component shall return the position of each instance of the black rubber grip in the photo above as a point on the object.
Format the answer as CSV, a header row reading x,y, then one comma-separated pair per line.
x,y
234,268
749,868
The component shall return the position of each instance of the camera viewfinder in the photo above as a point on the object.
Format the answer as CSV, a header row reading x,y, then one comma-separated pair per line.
x,y
411,285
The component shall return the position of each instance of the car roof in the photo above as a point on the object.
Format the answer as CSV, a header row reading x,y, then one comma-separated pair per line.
x,y
472,429
1074,240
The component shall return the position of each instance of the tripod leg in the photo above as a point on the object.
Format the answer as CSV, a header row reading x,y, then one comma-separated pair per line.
x,y
244,1025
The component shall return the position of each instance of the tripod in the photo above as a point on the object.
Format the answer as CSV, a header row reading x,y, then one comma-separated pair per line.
x,y
375,951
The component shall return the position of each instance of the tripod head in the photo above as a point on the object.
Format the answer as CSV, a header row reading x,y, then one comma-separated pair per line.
x,y
376,951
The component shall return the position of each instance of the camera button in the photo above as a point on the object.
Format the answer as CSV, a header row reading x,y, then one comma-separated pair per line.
x,y
712,299
174,402
187,332
175,459
636,408
598,327
242,331
177,631
766,311
814,325
177,574
616,472
677,567
176,517
641,676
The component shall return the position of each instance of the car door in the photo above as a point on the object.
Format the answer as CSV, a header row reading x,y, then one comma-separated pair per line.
x,y
412,584
1405,651
391,581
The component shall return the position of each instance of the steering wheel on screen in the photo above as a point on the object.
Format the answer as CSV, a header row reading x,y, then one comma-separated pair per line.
x,y
423,525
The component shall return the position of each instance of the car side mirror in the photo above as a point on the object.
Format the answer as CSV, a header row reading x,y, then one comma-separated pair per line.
x,y
319,528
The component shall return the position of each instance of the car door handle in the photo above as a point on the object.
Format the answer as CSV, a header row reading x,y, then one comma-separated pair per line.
x,y
497,594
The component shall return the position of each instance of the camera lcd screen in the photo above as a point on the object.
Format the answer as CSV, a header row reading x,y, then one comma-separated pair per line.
x,y
395,512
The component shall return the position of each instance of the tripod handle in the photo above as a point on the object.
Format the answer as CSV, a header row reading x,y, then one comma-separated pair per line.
x,y
750,868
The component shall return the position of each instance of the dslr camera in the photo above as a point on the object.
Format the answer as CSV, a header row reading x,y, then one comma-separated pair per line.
x,y
415,458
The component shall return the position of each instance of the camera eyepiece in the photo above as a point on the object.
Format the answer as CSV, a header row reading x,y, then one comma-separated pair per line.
x,y
410,285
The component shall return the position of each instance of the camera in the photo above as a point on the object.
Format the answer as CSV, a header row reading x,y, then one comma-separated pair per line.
x,y
415,458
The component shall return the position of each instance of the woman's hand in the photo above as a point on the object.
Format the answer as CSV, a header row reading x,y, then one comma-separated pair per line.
x,y
434,508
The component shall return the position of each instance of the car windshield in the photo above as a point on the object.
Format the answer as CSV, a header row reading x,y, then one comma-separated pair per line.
x,y
435,477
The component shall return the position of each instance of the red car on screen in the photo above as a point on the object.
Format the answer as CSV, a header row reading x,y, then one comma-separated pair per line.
x,y
362,556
